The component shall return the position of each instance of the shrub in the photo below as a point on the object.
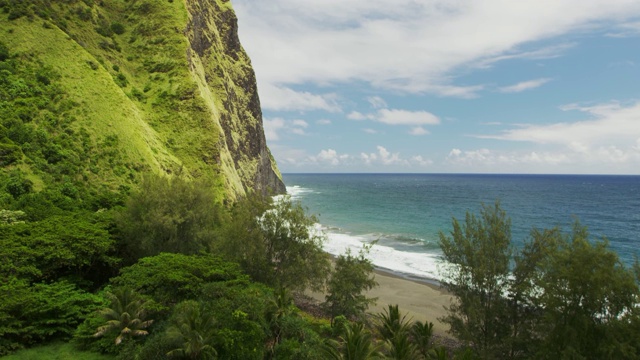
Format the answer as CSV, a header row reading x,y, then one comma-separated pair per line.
x,y
117,28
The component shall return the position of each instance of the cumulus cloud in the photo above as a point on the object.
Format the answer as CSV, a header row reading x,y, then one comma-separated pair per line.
x,y
273,128
355,115
330,156
413,46
418,130
383,156
404,117
281,98
607,140
524,85
300,123
334,160
323,122
420,161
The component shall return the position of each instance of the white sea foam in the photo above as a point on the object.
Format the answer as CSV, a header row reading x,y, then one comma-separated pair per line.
x,y
418,264
295,192
403,262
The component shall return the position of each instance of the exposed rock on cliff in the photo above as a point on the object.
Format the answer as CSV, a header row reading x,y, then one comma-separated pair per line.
x,y
221,68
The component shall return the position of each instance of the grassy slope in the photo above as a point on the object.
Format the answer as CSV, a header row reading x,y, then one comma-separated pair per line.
x,y
56,351
136,91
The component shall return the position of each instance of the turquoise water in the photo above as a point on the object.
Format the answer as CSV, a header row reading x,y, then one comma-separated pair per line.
x,y
405,212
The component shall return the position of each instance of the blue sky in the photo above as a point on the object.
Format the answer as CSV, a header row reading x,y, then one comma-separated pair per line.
x,y
453,86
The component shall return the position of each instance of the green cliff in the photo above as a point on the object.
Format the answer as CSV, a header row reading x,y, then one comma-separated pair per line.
x,y
100,92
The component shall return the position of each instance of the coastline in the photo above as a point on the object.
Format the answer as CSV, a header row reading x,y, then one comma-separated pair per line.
x,y
419,298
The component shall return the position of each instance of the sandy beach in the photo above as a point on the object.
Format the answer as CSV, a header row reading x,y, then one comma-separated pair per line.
x,y
418,299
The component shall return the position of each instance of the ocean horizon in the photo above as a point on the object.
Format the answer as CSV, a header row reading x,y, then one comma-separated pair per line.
x,y
402,214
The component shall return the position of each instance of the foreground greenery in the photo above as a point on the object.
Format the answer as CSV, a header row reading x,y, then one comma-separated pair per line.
x,y
167,273
562,296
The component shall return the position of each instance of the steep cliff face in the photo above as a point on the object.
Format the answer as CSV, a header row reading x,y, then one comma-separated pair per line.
x,y
224,74
131,86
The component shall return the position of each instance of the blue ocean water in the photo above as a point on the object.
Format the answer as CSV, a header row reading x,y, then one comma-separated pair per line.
x,y
405,212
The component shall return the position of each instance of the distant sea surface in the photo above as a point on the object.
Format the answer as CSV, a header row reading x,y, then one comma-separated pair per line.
x,y
404,213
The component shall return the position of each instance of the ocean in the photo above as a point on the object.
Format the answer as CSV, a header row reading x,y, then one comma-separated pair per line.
x,y
403,213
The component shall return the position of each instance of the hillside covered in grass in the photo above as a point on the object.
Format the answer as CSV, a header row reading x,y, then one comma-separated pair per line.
x,y
95,93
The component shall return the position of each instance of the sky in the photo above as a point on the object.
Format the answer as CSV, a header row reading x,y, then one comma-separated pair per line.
x,y
447,86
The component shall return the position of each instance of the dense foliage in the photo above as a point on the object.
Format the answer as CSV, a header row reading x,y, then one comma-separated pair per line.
x,y
353,275
564,295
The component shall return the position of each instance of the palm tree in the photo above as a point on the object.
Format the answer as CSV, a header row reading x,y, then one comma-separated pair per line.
x,y
394,329
280,307
391,323
126,314
421,333
438,353
356,344
194,330
401,348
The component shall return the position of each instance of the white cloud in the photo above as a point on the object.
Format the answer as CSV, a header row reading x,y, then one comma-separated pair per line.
x,y
369,131
323,122
524,85
330,157
404,117
383,156
377,102
548,52
609,159
355,115
300,123
420,161
414,46
418,130
614,124
629,29
280,98
271,128
609,141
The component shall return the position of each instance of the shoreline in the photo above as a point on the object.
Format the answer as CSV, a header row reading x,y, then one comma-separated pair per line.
x,y
418,297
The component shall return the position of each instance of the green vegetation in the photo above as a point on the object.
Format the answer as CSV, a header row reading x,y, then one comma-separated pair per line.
x,y
280,249
563,296
101,92
56,351
352,276
132,225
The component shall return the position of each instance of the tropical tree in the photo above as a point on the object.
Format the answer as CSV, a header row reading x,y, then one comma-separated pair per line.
x,y
125,315
421,334
561,296
391,322
587,295
479,252
280,307
356,343
395,330
195,330
351,276
171,215
277,244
